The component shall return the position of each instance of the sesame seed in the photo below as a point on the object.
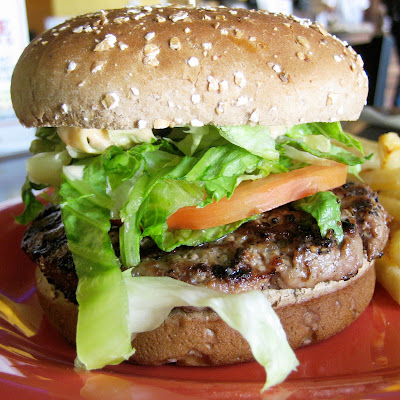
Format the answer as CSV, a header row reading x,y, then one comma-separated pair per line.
x,y
152,61
276,67
178,16
175,43
207,46
302,56
223,85
135,91
241,101
61,28
122,45
120,20
107,43
150,36
255,116
64,108
71,66
303,41
337,58
97,66
187,30
239,79
139,16
213,85
79,29
320,28
284,77
160,18
160,124
151,50
224,32
193,62
110,101
142,124
220,108
196,98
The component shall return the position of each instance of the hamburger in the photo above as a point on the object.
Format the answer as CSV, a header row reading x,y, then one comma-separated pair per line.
x,y
200,210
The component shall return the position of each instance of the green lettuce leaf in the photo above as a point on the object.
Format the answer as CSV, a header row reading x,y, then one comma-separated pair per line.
x,y
103,335
47,141
331,130
191,140
151,299
325,208
255,139
150,182
32,205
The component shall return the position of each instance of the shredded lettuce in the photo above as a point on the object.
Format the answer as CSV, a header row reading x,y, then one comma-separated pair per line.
x,y
103,335
47,140
255,139
32,205
151,299
325,208
144,185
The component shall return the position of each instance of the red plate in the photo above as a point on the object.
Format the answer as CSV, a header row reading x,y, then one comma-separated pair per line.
x,y
362,361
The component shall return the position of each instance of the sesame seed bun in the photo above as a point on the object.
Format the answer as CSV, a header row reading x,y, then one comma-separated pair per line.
x,y
191,336
167,66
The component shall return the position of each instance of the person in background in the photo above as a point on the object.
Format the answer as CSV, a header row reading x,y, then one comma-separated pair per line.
x,y
330,12
393,11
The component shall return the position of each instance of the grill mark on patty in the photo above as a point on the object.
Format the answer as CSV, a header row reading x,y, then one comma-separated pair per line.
x,y
282,248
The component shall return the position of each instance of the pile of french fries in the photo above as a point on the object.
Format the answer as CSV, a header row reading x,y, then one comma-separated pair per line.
x,y
382,173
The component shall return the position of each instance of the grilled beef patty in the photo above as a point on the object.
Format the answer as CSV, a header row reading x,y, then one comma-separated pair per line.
x,y
280,249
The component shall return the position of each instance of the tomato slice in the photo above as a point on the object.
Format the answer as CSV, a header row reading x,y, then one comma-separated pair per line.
x,y
255,197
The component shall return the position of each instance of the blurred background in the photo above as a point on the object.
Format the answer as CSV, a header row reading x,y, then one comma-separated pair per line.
x,y
372,27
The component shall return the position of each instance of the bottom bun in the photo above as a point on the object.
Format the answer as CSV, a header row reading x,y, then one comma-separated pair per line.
x,y
199,337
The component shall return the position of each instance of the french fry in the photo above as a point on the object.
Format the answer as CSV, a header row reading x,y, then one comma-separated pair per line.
x,y
370,146
382,179
388,275
394,246
390,193
389,150
391,205
385,179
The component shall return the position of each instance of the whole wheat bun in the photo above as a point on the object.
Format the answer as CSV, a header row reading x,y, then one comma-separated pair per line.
x,y
199,337
168,66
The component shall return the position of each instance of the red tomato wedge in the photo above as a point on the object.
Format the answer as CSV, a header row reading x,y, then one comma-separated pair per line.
x,y
255,197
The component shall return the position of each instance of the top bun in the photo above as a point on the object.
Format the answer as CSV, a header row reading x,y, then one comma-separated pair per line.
x,y
159,66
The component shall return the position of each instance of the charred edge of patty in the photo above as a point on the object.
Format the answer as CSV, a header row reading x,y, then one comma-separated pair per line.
x,y
280,249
